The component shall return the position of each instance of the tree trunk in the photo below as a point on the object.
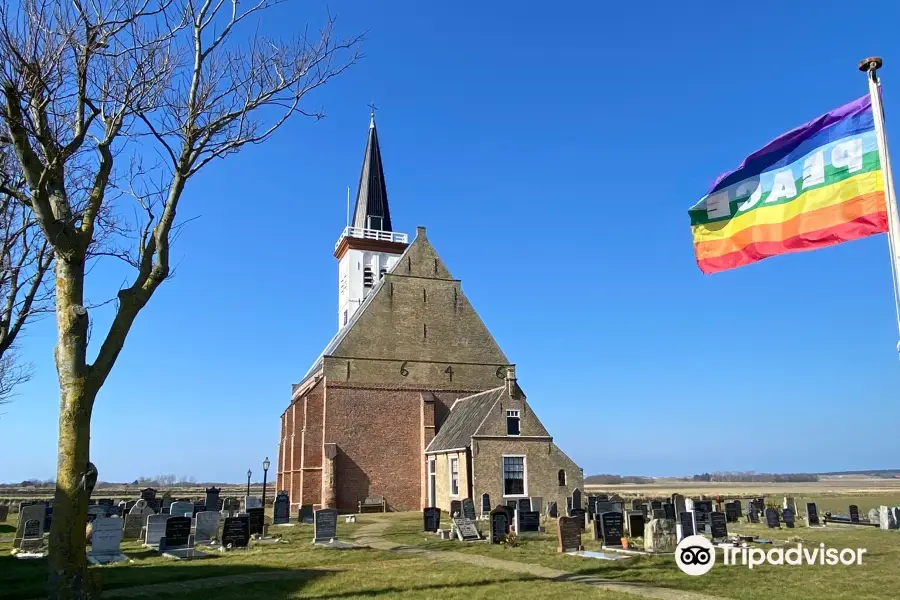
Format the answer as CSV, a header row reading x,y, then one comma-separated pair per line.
x,y
68,578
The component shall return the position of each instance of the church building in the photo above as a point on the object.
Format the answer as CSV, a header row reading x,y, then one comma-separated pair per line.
x,y
412,400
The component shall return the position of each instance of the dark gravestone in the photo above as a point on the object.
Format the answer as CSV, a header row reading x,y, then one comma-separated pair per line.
x,y
552,510
568,534
738,508
717,525
529,521
468,509
499,525
212,498
198,508
155,504
655,505
617,507
325,522
669,510
788,515
466,530
431,518
643,509
752,514
578,513
236,532
485,504
257,520
48,518
854,513
510,513
659,513
636,504
772,518
636,524
603,497
703,505
306,513
455,508
178,533
731,513
611,528
812,514
281,509
687,524
524,504
602,506
576,498
701,521
148,494
234,504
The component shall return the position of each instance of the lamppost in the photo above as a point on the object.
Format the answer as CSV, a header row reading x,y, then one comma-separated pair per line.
x,y
266,464
249,473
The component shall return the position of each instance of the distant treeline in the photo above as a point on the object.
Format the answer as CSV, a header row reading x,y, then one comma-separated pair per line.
x,y
889,473
615,479
750,476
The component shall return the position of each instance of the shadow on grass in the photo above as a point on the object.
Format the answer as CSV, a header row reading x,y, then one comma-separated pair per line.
x,y
28,578
7,528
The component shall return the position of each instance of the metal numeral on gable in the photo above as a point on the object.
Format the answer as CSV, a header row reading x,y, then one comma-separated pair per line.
x,y
403,370
501,373
449,371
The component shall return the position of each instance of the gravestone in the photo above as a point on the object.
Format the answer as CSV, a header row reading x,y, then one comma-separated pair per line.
x,y
568,534
787,515
523,504
731,515
655,505
701,521
30,528
106,541
198,508
236,532
854,513
635,524
165,502
597,530
95,511
177,534
485,504
718,525
669,511
465,529
678,502
643,509
207,526
685,527
212,498
306,513
772,518
129,504
611,528
148,494
233,504
325,523
602,506
499,520
874,516
455,508
468,508
578,513
752,514
886,518
180,508
788,502
738,508
431,519
552,510
155,529
576,498
636,504
528,521
537,504
281,509
4,512
155,505
661,535
132,526
658,513
257,520
618,507
251,502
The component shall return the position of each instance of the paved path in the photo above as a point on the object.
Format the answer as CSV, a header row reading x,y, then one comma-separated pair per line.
x,y
372,535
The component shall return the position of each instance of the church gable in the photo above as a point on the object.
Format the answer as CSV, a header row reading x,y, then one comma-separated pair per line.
x,y
419,313
495,422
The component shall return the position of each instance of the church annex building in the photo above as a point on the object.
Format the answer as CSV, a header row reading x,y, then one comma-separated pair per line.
x,y
412,400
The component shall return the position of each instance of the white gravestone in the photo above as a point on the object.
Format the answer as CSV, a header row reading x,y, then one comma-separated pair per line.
x,y
207,528
251,502
106,541
156,529
180,509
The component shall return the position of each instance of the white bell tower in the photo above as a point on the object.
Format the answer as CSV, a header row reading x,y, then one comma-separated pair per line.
x,y
367,248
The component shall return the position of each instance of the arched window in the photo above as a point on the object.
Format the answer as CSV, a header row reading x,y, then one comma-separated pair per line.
x,y
562,477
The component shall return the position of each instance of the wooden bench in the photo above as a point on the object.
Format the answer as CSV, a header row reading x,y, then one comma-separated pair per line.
x,y
373,504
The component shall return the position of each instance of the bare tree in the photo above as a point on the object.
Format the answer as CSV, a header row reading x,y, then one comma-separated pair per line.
x,y
91,90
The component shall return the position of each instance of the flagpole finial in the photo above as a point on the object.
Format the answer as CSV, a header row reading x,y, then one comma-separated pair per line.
x,y
873,63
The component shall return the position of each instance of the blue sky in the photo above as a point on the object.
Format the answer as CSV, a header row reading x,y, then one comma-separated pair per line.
x,y
549,150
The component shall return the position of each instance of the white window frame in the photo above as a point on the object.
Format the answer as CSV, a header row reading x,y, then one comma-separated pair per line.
x,y
450,460
513,413
432,475
524,476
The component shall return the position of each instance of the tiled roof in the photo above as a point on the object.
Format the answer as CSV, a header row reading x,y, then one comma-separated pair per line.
x,y
464,420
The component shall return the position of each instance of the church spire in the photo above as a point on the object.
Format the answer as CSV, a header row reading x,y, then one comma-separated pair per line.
x,y
372,210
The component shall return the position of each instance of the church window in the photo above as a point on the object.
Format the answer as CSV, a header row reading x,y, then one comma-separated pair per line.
x,y
561,476
374,222
512,422
514,476
454,476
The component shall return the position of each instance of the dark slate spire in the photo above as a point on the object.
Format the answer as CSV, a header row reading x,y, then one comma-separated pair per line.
x,y
372,211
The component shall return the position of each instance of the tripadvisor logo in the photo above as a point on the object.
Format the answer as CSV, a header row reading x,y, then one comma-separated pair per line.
x,y
695,555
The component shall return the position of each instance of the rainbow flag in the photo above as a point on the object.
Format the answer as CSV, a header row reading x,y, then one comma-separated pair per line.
x,y
816,185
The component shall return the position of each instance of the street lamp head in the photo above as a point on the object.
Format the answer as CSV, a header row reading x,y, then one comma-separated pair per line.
x,y
266,464
249,473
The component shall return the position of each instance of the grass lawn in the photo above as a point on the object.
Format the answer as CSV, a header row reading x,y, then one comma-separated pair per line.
x,y
318,573
877,578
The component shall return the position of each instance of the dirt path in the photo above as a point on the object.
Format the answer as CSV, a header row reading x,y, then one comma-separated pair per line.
x,y
372,535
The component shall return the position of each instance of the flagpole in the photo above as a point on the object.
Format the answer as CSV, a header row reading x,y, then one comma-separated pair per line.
x,y
870,66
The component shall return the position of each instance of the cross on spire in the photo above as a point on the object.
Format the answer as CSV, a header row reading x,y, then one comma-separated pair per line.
x,y
372,108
